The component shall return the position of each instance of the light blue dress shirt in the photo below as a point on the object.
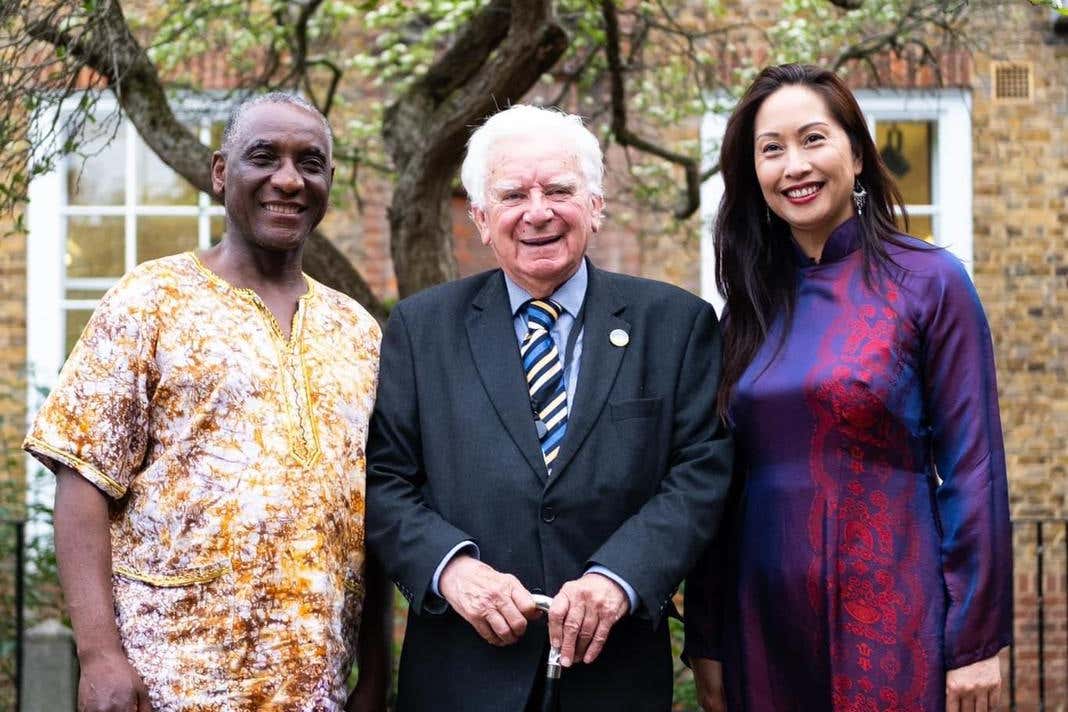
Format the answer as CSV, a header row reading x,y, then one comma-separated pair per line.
x,y
570,295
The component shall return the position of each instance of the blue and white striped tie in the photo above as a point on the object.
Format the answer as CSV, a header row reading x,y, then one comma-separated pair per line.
x,y
545,377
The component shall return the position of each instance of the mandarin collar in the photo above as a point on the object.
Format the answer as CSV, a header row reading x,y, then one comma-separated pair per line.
x,y
841,243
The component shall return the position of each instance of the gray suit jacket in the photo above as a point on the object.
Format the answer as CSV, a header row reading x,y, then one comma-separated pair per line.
x,y
638,486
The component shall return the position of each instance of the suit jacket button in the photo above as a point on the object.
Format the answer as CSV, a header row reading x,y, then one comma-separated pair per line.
x,y
547,514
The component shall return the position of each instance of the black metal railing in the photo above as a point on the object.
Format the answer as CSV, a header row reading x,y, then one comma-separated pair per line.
x,y
1041,597
14,597
1038,662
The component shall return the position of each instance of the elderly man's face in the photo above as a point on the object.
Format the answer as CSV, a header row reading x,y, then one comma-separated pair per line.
x,y
539,214
275,179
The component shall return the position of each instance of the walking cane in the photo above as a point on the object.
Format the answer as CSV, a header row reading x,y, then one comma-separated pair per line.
x,y
552,666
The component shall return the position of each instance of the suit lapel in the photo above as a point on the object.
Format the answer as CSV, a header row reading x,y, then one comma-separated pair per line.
x,y
598,365
495,352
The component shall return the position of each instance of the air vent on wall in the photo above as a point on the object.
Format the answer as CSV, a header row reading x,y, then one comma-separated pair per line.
x,y
1014,82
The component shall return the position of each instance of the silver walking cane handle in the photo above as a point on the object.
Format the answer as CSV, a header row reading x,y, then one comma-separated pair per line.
x,y
552,665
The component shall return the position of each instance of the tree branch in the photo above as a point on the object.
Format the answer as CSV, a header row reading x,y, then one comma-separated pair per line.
x,y
691,199
299,43
571,77
331,91
426,129
110,49
482,34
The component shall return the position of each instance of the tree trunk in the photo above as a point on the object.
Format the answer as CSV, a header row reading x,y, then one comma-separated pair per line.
x,y
112,51
426,130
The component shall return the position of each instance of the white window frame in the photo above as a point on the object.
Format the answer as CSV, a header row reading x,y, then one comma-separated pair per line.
x,y
47,211
951,178
950,110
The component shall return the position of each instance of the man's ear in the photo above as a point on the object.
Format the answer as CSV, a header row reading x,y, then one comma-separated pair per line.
x,y
481,222
218,175
597,206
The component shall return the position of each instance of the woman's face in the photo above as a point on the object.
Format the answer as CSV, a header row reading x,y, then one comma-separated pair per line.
x,y
804,163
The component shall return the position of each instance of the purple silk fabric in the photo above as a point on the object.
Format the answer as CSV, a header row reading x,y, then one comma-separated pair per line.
x,y
849,579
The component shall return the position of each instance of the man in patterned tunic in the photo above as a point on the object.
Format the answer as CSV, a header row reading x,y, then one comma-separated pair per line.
x,y
207,433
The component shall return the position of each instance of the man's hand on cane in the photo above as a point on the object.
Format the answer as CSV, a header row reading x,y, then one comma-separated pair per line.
x,y
495,604
582,615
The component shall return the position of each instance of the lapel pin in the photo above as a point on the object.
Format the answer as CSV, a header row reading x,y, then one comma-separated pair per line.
x,y
618,337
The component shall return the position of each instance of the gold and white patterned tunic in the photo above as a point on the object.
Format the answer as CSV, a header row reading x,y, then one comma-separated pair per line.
x,y
235,463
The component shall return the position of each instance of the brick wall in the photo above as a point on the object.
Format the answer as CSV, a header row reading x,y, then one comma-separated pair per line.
x,y
12,349
1021,265
1021,271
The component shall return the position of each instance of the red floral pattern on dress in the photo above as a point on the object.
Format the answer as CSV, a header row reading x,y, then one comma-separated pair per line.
x,y
869,598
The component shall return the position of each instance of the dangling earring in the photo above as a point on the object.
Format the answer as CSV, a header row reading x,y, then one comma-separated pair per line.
x,y
860,196
767,214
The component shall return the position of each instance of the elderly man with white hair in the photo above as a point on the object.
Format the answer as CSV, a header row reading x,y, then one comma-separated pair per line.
x,y
543,428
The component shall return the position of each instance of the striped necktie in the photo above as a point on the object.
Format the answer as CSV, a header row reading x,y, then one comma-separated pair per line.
x,y
545,377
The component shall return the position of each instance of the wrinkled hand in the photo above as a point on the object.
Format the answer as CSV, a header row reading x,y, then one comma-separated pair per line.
x,y
496,604
582,614
708,677
975,687
109,684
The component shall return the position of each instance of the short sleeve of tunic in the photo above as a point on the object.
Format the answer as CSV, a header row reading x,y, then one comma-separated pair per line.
x,y
95,420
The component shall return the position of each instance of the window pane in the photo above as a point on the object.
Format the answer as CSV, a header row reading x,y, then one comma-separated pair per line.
x,y
159,236
919,225
95,246
85,293
218,228
76,321
158,184
906,150
101,178
216,135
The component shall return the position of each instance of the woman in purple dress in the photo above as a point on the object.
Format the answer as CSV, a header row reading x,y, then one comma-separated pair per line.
x,y
868,563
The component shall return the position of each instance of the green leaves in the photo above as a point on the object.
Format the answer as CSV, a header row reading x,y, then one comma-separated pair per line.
x,y
1056,5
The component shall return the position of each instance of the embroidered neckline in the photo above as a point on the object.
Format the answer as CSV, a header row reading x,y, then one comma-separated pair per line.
x,y
294,382
251,295
244,291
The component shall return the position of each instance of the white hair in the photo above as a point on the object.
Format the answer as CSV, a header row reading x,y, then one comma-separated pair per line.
x,y
525,121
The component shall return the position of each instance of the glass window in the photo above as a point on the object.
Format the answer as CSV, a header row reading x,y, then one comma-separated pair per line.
x,y
157,183
88,293
162,235
109,229
907,148
218,228
215,135
76,321
919,226
97,174
95,246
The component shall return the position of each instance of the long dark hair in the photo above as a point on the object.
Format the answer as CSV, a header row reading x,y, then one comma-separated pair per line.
x,y
755,264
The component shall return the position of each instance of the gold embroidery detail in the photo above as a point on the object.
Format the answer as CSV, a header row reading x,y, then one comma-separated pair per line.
x,y
164,580
294,378
74,462
174,393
